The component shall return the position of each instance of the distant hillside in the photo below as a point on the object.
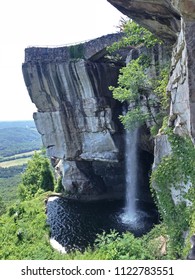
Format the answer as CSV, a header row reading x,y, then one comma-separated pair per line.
x,y
18,140
25,124
18,137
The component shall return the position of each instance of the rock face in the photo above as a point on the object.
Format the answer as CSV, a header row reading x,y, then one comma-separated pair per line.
x,y
160,16
77,116
174,22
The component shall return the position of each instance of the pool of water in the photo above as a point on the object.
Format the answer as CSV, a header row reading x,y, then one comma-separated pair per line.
x,y
75,225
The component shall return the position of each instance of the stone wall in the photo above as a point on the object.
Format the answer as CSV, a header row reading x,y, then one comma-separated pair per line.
x,y
86,50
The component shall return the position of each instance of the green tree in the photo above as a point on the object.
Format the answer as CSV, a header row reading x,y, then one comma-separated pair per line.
x,y
59,186
146,94
37,176
134,35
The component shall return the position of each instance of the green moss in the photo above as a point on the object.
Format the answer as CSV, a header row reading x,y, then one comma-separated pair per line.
x,y
76,51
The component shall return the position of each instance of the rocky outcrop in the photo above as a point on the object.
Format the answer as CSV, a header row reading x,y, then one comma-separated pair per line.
x,y
181,83
174,22
77,116
159,16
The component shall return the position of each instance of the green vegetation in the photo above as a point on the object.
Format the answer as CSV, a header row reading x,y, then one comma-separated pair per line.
x,y
113,246
24,232
76,51
18,140
2,206
16,157
25,235
37,177
176,172
8,189
144,93
134,35
11,172
148,102
18,137
14,163
59,187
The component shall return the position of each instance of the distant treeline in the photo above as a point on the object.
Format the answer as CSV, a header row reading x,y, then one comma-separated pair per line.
x,y
11,171
18,137
16,156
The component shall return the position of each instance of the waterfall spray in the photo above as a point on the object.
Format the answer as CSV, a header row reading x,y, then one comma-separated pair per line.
x,y
131,171
130,210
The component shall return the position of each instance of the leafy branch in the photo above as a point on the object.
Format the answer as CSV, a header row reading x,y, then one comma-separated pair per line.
x,y
145,96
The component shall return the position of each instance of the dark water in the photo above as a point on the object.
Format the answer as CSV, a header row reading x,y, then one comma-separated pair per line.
x,y
75,224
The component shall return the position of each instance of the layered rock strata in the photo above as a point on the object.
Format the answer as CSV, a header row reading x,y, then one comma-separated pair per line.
x,y
77,116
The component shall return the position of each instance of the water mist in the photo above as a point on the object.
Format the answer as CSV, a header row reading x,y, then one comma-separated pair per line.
x,y
130,210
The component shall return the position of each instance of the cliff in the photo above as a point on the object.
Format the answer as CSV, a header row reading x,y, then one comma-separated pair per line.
x,y
77,116
174,22
173,176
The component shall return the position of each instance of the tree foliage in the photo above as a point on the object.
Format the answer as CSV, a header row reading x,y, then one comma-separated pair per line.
x,y
144,94
11,171
24,232
135,35
2,206
37,176
176,172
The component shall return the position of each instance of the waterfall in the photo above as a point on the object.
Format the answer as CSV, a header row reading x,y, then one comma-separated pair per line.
x,y
130,210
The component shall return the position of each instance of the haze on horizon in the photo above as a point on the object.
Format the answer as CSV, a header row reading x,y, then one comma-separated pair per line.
x,y
43,23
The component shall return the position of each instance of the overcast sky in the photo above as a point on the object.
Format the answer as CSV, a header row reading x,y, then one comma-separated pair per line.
x,y
41,23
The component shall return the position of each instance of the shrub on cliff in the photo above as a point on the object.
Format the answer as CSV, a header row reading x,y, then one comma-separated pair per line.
x,y
143,91
37,176
24,233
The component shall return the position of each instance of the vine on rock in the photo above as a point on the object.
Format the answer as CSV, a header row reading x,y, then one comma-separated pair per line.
x,y
175,177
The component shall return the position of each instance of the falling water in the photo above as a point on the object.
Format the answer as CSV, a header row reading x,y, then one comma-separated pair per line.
x,y
130,211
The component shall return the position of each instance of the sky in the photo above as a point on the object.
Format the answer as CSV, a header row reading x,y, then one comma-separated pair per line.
x,y
43,23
